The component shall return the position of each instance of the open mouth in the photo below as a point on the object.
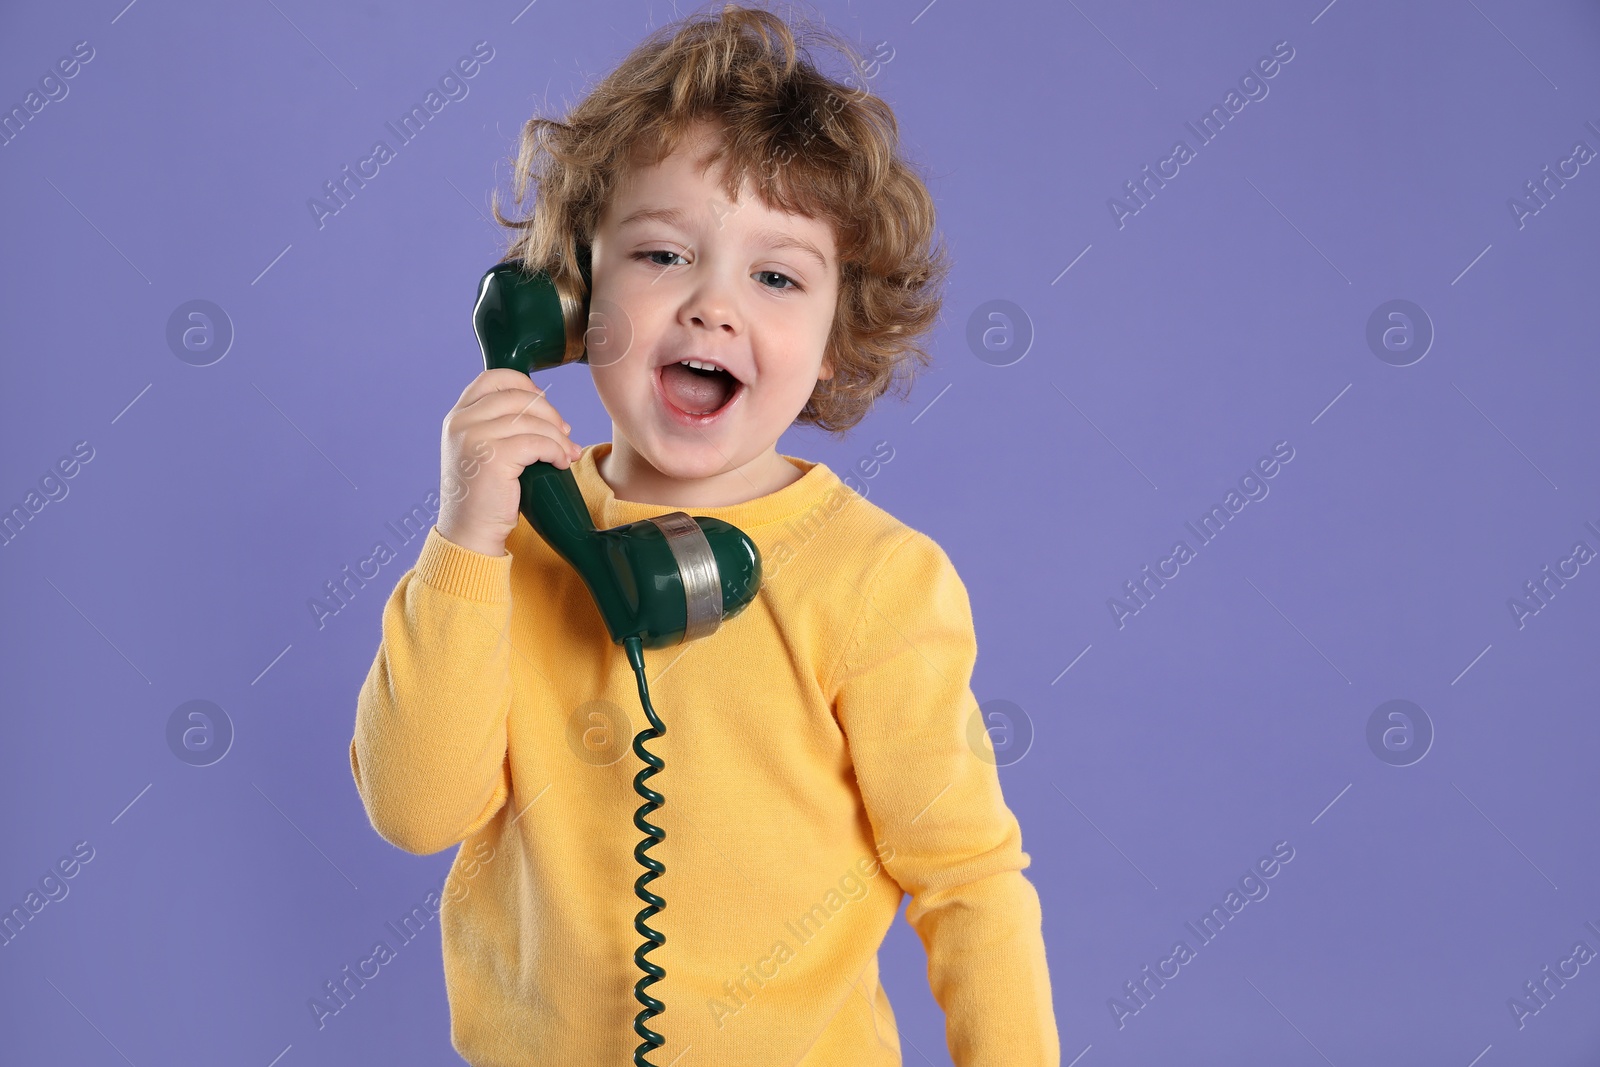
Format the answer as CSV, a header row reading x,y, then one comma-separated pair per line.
x,y
696,395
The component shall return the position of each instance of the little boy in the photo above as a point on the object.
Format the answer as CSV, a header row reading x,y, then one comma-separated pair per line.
x,y
760,256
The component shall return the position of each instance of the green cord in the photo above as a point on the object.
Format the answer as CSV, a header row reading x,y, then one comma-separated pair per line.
x,y
655,868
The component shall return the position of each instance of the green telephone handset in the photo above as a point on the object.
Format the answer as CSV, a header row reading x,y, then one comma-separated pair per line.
x,y
660,581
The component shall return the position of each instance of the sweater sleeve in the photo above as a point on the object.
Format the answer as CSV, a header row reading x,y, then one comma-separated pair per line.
x,y
927,775
429,751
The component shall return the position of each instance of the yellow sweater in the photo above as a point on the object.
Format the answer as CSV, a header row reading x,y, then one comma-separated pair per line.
x,y
821,758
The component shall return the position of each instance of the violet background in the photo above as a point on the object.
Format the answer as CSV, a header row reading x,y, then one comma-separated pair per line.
x,y
1229,314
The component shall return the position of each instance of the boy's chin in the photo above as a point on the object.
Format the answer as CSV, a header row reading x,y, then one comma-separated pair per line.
x,y
688,456
688,461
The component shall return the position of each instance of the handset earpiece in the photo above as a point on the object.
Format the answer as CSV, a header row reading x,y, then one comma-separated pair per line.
x,y
664,580
668,579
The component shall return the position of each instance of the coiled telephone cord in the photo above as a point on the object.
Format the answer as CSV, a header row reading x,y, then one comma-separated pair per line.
x,y
654,867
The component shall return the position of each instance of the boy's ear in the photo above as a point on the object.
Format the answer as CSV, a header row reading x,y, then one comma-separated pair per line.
x,y
827,368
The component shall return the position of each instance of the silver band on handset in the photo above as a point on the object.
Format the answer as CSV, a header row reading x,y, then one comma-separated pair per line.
x,y
697,569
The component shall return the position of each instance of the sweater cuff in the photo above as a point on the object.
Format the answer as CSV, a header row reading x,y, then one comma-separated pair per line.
x,y
451,568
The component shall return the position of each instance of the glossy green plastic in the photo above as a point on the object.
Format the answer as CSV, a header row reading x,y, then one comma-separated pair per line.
x,y
629,570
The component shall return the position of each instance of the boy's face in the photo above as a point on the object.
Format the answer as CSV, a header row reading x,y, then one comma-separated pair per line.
x,y
713,281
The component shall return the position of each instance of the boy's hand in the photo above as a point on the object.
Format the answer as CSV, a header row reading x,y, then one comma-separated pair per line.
x,y
501,424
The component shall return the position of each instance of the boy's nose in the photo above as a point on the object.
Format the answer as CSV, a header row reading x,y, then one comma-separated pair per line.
x,y
711,305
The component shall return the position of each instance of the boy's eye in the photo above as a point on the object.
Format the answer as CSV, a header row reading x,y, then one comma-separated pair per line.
x,y
781,288
658,252
652,253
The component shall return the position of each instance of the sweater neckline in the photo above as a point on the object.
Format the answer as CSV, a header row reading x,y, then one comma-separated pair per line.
x,y
607,510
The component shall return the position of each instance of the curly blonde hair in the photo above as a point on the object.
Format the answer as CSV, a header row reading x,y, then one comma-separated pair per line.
x,y
810,144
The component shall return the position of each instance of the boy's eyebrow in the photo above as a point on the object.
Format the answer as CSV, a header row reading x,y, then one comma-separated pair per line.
x,y
778,239
774,238
670,215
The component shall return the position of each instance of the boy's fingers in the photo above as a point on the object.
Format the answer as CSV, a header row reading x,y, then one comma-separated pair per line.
x,y
498,378
517,402
487,401
510,427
